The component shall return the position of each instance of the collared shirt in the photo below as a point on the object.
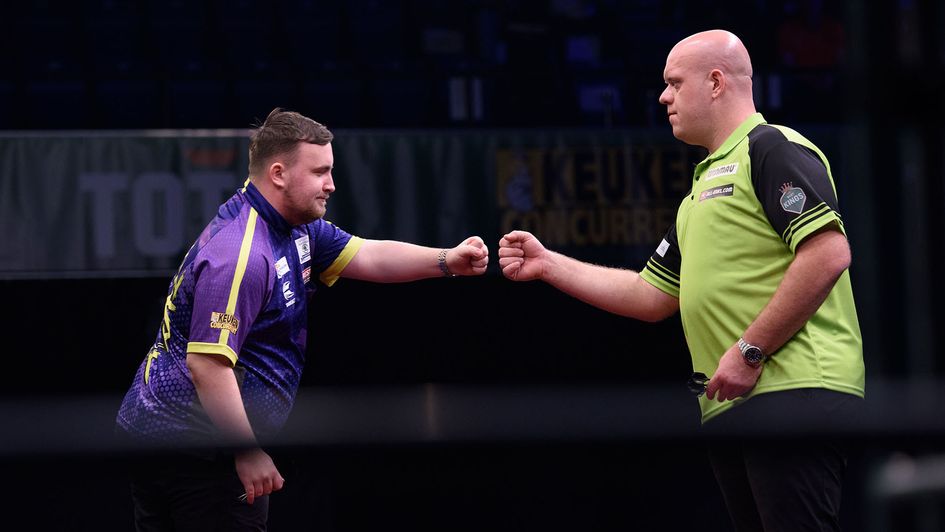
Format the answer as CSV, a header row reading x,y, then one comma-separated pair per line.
x,y
752,202
241,292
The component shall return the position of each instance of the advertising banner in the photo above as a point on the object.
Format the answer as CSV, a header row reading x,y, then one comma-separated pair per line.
x,y
131,203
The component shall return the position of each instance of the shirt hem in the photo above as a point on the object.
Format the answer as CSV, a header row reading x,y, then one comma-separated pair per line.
x,y
793,385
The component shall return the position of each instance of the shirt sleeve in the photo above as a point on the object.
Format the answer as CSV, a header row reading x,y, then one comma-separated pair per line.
x,y
795,191
233,281
662,269
332,249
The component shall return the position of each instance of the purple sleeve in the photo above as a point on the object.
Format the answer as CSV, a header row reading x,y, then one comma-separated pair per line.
x,y
328,241
233,282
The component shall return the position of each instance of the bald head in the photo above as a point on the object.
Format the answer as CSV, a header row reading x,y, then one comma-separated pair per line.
x,y
708,87
716,49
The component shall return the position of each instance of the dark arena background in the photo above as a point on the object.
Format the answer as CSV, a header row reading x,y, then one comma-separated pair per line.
x,y
462,404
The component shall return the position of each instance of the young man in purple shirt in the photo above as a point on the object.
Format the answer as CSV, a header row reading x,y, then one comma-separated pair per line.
x,y
227,361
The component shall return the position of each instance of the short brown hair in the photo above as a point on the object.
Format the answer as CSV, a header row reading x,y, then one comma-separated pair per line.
x,y
279,134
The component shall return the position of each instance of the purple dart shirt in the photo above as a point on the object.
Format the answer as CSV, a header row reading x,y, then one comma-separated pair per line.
x,y
242,292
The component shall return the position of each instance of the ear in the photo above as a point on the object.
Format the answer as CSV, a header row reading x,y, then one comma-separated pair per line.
x,y
717,79
276,175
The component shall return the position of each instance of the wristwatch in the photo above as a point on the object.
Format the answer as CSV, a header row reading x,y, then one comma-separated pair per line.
x,y
752,354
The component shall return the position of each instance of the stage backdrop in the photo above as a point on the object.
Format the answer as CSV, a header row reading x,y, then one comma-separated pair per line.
x,y
131,203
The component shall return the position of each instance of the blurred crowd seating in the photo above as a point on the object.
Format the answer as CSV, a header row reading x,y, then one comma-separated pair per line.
x,y
110,64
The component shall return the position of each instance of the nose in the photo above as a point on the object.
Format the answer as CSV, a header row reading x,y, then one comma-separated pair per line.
x,y
665,96
329,184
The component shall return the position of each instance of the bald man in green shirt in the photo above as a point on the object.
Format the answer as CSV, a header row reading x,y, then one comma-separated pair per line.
x,y
756,264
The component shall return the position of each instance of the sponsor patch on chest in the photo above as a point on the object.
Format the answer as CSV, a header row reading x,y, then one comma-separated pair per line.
x,y
717,192
282,267
288,293
301,244
719,171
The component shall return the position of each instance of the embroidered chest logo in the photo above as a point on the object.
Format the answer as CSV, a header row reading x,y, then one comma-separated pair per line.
x,y
717,192
792,198
221,320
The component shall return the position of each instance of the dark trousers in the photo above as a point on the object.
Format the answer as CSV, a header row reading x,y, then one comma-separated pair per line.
x,y
180,492
777,484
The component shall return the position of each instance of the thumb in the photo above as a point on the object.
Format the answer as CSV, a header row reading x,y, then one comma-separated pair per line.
x,y
712,387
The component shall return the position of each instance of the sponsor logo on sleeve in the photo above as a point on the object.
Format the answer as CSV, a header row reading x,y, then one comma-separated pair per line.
x,y
222,320
718,171
792,198
717,192
663,248
301,244
306,274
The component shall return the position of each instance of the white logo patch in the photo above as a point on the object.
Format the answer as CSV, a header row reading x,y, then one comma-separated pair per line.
x,y
301,244
718,171
663,248
288,293
282,267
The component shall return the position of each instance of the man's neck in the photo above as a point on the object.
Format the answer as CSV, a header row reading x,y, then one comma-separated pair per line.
x,y
271,195
729,123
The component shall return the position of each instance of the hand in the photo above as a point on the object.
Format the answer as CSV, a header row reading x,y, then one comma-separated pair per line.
x,y
521,255
258,474
469,258
733,378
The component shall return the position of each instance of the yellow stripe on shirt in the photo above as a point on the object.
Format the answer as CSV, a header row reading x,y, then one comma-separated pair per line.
x,y
331,274
205,348
240,270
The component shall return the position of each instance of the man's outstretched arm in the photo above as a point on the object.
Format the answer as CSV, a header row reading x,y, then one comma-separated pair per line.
x,y
391,261
522,257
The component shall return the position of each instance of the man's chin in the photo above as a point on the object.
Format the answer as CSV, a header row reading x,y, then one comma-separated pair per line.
x,y
681,135
312,216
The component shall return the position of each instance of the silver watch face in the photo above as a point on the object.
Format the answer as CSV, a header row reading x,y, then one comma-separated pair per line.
x,y
753,355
